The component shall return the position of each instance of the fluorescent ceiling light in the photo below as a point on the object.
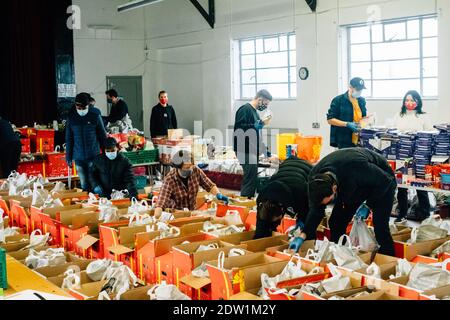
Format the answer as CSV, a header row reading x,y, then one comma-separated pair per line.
x,y
136,5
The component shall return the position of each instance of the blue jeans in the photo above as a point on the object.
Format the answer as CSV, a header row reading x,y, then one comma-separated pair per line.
x,y
83,167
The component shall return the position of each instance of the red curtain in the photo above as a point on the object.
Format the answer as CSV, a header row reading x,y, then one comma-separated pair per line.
x,y
28,91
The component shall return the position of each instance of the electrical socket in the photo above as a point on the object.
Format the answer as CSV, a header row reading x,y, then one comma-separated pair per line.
x,y
316,125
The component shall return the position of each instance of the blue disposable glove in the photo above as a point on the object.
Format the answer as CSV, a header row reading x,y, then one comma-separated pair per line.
x,y
259,125
300,225
353,126
296,244
268,154
363,212
98,190
223,198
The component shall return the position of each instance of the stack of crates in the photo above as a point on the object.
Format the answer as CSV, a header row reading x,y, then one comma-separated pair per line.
x,y
141,157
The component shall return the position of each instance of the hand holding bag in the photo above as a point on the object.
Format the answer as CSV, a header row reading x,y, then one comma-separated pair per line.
x,y
360,236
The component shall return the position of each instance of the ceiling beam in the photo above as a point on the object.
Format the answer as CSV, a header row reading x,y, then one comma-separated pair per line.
x,y
312,4
210,16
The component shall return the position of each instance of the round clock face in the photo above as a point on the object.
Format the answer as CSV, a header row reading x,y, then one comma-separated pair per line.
x,y
303,73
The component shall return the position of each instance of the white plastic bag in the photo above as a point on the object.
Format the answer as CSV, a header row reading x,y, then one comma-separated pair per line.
x,y
426,277
402,269
346,256
166,292
140,220
37,239
97,269
72,280
374,271
59,187
427,232
233,217
120,195
362,237
441,249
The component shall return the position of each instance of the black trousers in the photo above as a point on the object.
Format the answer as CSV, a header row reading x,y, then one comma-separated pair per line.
x,y
424,203
250,180
10,157
382,208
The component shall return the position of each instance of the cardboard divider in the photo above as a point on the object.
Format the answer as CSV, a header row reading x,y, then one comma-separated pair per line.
x,y
261,245
238,238
88,291
58,280
403,290
436,294
380,295
15,243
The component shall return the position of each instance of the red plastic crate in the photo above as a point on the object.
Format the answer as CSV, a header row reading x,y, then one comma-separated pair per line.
x,y
31,168
139,171
26,145
56,165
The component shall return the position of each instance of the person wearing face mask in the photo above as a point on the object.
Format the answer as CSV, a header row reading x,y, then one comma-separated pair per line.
x,y
85,136
355,180
163,117
345,114
112,171
247,139
412,119
285,194
119,108
181,185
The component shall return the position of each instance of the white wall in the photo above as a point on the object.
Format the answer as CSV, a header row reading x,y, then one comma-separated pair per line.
x,y
173,24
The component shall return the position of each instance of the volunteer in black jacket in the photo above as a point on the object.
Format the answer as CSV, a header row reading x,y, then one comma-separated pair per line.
x,y
163,117
345,114
285,194
112,171
119,108
10,147
349,178
247,140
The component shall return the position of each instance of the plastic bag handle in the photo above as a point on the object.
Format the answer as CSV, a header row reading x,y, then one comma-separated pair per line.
x,y
414,234
33,234
57,149
235,251
221,261
341,241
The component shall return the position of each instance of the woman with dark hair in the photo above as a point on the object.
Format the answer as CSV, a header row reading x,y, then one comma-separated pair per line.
x,y
412,118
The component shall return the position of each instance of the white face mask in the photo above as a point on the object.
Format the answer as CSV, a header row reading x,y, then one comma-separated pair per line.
x,y
356,94
83,113
111,155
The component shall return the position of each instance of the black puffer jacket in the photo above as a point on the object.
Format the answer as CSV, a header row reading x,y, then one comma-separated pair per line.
x,y
113,175
288,187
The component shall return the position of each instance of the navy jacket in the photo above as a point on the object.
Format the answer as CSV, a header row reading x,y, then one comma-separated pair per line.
x,y
116,174
7,134
342,109
361,175
162,120
84,136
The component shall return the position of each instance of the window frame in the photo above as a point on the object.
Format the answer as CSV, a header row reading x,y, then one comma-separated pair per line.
x,y
291,95
421,58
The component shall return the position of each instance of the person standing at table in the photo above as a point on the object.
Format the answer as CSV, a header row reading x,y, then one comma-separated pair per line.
x,y
247,139
119,108
11,149
163,117
345,114
412,118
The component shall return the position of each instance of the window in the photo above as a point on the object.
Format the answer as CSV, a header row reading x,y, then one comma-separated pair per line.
x,y
268,62
395,56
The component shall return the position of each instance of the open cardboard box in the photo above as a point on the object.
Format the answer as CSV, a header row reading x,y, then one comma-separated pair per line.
x,y
436,294
22,254
15,243
146,255
380,295
58,280
261,245
403,289
241,273
411,251
71,261
88,291
238,238
136,294
70,194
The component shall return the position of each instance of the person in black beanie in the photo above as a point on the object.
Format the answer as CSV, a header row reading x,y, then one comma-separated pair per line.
x,y
10,147
112,171
285,194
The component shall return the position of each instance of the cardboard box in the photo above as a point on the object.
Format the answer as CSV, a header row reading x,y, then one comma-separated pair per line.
x,y
136,294
20,214
16,243
196,288
238,238
436,294
120,244
404,291
75,226
58,280
148,269
411,251
380,295
245,296
55,271
241,274
88,291
89,246
261,245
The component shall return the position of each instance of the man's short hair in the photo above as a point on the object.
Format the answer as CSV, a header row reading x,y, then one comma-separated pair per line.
x,y
112,93
268,210
161,92
320,187
264,94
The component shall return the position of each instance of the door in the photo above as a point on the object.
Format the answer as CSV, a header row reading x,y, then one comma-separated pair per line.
x,y
130,90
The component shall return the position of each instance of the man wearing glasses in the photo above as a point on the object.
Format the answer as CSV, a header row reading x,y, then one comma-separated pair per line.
x,y
85,136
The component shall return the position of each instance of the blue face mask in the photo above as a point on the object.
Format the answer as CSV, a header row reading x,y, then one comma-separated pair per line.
x,y
111,155
83,113
356,94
